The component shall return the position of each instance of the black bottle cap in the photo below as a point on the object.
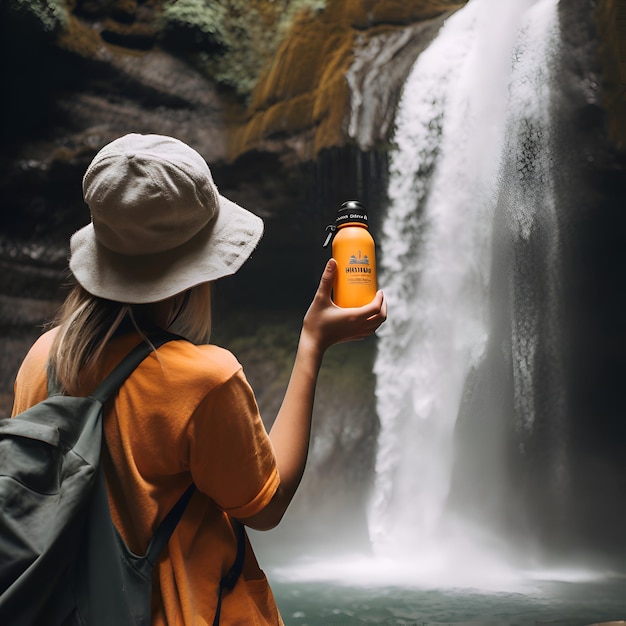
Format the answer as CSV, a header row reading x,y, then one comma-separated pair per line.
x,y
351,211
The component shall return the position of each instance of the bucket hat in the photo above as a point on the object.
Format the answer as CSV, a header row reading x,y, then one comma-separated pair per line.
x,y
158,223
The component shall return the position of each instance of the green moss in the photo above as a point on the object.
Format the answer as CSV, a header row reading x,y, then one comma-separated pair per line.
x,y
46,15
231,40
193,25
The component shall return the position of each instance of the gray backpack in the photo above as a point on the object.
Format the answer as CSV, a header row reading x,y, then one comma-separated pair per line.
x,y
62,561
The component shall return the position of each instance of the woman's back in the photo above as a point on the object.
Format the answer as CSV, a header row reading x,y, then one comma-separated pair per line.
x,y
186,414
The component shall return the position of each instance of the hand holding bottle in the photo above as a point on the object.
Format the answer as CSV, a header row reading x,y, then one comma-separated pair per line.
x,y
327,324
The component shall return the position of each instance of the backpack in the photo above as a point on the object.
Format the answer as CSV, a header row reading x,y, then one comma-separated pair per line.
x,y
62,561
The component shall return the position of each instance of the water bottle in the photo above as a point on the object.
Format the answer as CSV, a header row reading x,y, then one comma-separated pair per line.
x,y
354,250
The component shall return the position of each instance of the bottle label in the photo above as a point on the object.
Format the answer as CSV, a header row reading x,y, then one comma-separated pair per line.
x,y
358,271
359,264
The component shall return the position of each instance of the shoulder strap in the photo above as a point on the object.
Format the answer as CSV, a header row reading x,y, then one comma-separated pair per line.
x,y
230,578
128,364
167,526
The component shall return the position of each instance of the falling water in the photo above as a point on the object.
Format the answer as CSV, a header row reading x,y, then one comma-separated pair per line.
x,y
475,100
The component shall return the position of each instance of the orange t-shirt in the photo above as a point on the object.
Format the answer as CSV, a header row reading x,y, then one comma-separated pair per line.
x,y
186,414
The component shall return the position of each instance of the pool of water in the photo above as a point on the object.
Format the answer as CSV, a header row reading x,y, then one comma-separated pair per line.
x,y
307,596
562,604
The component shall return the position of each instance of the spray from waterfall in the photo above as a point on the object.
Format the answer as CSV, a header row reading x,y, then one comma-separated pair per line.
x,y
473,89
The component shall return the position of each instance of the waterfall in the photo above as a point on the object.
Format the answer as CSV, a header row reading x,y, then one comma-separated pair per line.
x,y
472,127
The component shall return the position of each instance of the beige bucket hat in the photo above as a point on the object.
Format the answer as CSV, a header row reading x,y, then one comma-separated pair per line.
x,y
158,224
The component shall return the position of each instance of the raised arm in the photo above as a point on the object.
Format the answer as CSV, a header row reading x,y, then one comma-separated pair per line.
x,y
324,325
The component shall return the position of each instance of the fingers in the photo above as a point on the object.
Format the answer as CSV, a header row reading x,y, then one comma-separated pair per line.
x,y
382,311
328,324
375,309
328,276
369,317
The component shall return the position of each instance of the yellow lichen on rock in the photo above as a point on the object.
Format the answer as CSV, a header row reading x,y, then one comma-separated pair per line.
x,y
305,85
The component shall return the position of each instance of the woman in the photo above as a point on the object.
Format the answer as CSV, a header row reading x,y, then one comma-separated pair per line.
x,y
159,234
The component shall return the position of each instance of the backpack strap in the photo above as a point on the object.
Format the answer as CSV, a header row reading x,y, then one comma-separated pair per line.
x,y
167,526
230,578
121,371
128,364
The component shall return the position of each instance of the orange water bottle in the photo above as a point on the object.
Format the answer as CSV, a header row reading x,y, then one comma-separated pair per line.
x,y
354,250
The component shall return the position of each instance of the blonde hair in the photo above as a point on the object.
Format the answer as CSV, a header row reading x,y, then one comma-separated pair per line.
x,y
86,323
